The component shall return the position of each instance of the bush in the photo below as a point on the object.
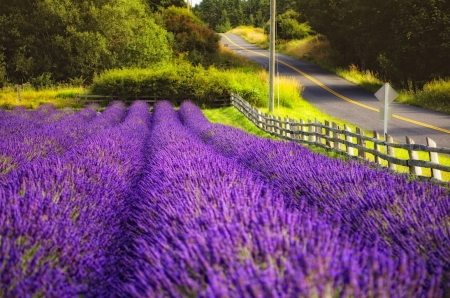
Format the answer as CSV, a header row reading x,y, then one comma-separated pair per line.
x,y
288,26
177,82
190,34
435,95
171,82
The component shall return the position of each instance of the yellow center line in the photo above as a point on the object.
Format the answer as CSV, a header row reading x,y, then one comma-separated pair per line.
x,y
340,95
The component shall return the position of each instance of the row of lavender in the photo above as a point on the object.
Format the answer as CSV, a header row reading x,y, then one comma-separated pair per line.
x,y
170,205
206,225
63,199
399,215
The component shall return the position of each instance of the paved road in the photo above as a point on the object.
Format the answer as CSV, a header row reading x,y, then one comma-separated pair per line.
x,y
344,100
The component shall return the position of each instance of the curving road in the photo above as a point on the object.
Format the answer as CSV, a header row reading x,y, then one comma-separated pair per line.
x,y
344,100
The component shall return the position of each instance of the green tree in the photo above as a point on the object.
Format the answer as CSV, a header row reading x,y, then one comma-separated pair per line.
x,y
420,42
190,34
288,26
224,23
71,38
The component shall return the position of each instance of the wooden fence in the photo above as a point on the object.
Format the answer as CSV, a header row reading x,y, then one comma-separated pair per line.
x,y
332,137
103,100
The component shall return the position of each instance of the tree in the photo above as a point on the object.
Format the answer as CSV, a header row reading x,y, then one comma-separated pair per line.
x,y
69,38
420,42
224,23
191,35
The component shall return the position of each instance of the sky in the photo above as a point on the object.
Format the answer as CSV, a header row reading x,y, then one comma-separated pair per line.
x,y
194,2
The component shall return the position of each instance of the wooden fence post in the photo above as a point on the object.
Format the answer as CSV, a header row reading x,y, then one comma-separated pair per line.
x,y
377,147
349,139
304,129
435,159
312,130
413,155
277,125
260,124
288,127
329,134
318,131
390,151
361,142
294,128
336,135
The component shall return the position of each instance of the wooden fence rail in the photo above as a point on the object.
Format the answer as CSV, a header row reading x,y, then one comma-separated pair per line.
x,y
332,137
222,101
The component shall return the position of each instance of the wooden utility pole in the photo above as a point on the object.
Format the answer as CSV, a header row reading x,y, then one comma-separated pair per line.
x,y
272,54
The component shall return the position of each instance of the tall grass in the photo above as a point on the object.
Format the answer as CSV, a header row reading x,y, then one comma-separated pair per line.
x,y
314,48
253,35
366,79
60,96
435,96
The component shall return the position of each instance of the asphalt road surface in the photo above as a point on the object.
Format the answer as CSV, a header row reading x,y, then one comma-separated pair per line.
x,y
344,100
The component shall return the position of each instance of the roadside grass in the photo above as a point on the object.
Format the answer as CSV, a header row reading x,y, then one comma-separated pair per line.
x,y
60,96
434,96
366,79
228,59
253,35
232,117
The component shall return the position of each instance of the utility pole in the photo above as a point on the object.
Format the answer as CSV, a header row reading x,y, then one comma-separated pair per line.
x,y
272,54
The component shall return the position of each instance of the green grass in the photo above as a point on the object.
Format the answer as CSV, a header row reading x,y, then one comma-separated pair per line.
x,y
366,79
253,35
232,117
30,98
434,96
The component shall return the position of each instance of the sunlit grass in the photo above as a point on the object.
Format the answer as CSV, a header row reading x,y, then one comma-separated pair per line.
x,y
435,95
366,79
61,97
253,35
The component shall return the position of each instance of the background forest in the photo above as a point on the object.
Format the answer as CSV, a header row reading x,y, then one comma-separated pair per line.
x,y
44,42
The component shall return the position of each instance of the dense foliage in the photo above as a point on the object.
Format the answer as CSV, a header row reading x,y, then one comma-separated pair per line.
x,y
166,204
192,37
178,82
405,41
51,40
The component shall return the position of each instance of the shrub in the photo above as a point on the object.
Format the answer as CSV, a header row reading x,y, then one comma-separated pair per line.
x,y
177,82
190,34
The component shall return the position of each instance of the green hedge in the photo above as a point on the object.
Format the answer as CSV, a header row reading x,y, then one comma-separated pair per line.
x,y
180,81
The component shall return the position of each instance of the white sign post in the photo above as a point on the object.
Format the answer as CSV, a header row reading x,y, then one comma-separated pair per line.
x,y
386,95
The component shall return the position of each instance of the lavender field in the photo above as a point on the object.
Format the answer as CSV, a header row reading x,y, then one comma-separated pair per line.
x,y
133,203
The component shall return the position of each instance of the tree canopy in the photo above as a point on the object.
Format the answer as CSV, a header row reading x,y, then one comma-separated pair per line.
x,y
68,38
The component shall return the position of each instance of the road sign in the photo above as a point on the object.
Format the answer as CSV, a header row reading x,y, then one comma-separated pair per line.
x,y
389,113
386,92
386,95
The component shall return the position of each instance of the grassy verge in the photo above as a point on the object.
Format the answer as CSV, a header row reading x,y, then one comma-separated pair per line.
x,y
30,98
253,35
